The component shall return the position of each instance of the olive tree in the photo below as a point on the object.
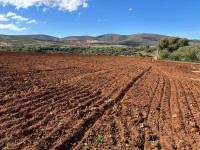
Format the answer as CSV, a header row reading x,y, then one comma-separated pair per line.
x,y
172,43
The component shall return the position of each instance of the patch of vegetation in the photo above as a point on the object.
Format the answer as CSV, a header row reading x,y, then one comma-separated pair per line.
x,y
114,50
175,56
99,138
172,43
164,54
188,54
176,49
191,55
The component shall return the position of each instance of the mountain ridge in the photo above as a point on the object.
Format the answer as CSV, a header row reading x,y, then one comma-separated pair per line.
x,y
139,39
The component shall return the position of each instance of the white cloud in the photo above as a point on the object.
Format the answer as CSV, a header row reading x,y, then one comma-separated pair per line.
x,y
45,9
3,18
130,9
85,5
32,21
70,5
9,14
20,18
11,27
17,17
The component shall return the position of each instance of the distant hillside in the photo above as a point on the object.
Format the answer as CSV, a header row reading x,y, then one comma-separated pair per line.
x,y
78,39
16,40
40,37
195,43
135,39
112,38
141,39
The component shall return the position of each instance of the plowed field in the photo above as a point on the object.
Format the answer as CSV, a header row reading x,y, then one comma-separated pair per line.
x,y
63,102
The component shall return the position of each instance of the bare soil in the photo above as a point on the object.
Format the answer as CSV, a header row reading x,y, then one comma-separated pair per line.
x,y
63,102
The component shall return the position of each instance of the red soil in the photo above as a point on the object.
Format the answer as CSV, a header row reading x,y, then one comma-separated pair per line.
x,y
57,101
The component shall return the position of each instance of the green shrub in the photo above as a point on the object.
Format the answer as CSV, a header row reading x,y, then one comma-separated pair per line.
x,y
99,138
175,56
191,55
164,54
187,53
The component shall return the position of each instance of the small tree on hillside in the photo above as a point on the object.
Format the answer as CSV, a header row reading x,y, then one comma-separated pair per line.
x,y
171,43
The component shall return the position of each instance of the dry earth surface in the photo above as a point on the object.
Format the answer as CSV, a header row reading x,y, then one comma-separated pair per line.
x,y
57,101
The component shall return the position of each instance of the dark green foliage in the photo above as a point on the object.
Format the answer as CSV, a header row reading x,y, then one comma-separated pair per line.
x,y
175,55
191,55
164,54
172,43
147,47
162,44
183,42
82,49
185,53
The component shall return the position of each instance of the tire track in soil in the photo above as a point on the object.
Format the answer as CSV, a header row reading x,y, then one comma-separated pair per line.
x,y
177,120
192,101
123,121
181,141
153,120
185,113
67,143
148,133
196,93
194,129
167,140
133,136
117,126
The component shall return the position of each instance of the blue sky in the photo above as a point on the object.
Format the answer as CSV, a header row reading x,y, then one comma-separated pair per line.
x,y
63,18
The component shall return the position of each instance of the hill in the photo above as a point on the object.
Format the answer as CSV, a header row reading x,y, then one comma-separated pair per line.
x,y
116,39
17,40
142,39
40,37
78,39
111,38
195,43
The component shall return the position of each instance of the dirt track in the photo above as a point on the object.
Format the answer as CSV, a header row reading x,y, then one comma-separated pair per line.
x,y
55,101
